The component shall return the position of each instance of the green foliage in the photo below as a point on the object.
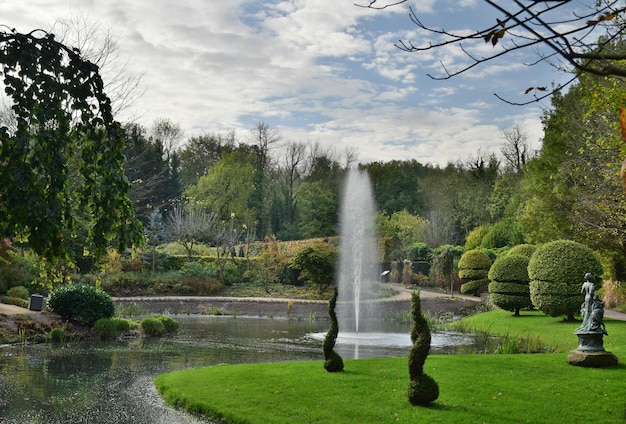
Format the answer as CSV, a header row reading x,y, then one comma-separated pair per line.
x,y
332,360
474,287
474,238
82,303
169,324
422,388
57,335
556,271
14,301
122,325
509,289
105,329
152,327
475,260
502,233
473,270
20,292
404,229
12,274
523,249
317,263
63,158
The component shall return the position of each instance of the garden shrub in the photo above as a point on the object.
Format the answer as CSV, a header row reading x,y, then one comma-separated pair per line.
x,y
523,249
333,362
474,238
105,329
152,327
473,270
423,389
13,275
556,271
169,324
317,263
82,303
122,325
22,303
509,289
57,335
20,292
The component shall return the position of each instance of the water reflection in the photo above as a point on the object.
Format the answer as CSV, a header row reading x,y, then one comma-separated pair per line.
x,y
112,382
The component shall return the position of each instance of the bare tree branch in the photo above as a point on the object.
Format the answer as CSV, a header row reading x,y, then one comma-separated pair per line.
x,y
582,41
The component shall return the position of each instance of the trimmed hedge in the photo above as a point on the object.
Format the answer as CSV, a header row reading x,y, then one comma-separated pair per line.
x,y
509,289
474,268
556,271
523,250
82,303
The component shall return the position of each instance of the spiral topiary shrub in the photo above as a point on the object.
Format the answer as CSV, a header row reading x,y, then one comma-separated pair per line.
x,y
473,270
556,271
423,389
332,360
81,303
509,289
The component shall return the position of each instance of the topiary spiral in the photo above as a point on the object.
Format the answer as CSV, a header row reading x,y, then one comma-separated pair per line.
x,y
422,388
332,360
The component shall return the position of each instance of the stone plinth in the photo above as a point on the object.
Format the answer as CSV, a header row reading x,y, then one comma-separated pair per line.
x,y
592,359
590,341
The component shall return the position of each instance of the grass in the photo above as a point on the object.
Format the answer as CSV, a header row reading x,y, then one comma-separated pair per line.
x,y
473,388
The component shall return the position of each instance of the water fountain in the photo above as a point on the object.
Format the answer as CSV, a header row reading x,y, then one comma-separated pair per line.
x,y
358,265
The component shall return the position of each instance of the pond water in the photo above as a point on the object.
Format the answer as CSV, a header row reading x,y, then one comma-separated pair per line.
x,y
112,382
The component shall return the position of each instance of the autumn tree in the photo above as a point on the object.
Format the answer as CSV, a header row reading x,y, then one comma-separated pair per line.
x,y
576,36
63,159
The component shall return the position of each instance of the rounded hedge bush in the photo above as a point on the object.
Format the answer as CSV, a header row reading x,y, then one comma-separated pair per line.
x,y
556,271
152,327
105,329
169,324
509,288
57,335
82,303
19,292
473,268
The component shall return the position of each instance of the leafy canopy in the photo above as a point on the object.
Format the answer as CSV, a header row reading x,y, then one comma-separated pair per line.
x,y
61,151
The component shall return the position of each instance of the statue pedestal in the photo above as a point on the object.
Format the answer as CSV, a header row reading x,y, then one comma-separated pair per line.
x,y
590,352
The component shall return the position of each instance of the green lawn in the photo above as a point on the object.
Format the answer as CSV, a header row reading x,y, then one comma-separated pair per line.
x,y
540,388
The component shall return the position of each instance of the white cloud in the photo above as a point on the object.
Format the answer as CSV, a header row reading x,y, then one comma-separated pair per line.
x,y
317,70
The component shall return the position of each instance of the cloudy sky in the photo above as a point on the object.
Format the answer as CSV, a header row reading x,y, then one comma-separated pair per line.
x,y
322,71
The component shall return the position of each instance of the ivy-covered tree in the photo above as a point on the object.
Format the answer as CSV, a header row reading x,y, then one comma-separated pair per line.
x,y
62,157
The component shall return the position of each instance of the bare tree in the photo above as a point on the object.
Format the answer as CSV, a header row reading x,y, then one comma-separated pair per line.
x,y
291,170
99,45
189,226
169,133
577,36
516,149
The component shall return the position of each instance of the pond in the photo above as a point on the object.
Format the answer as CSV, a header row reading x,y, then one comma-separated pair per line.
x,y
112,382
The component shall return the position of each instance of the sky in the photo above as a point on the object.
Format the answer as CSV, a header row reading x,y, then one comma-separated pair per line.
x,y
321,71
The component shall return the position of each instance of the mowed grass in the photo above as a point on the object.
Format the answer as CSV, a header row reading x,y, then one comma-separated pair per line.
x,y
522,388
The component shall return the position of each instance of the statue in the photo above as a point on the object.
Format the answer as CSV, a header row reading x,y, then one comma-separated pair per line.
x,y
592,309
590,351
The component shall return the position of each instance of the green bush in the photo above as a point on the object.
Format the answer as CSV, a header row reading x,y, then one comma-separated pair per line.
x,y
169,324
122,325
473,270
20,292
317,263
556,271
82,303
57,335
509,289
17,301
105,329
152,327
523,249
473,239
13,275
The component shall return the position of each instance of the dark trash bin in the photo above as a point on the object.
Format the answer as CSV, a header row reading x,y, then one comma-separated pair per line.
x,y
36,302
